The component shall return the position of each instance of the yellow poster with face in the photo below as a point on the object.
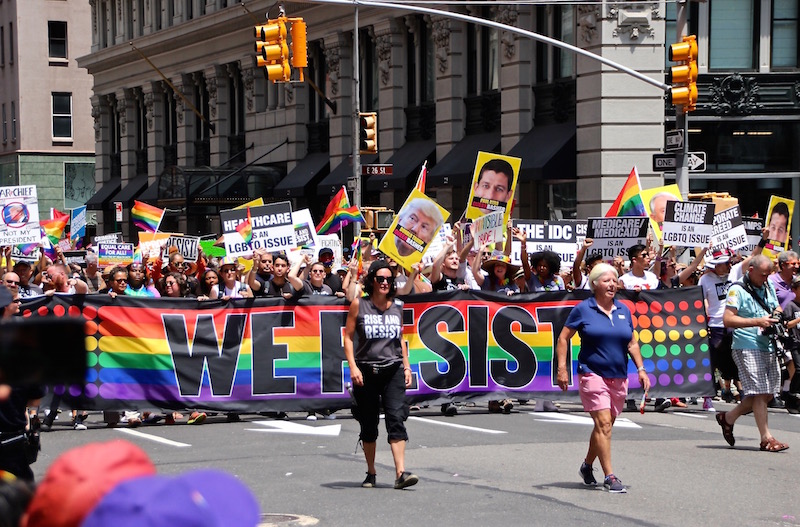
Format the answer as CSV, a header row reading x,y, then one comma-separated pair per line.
x,y
413,229
655,204
493,183
778,221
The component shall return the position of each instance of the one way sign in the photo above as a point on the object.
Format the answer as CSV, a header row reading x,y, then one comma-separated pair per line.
x,y
697,161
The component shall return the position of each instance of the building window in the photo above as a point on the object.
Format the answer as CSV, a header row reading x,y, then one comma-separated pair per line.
x,y
57,39
113,21
157,14
420,55
368,73
62,115
732,42
11,42
542,75
5,125
483,55
13,121
139,18
565,32
2,46
784,33
189,9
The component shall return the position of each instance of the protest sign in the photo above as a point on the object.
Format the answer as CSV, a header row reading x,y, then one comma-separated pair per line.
x,y
413,229
779,221
187,246
19,216
111,254
114,237
560,236
489,228
729,231
655,204
332,242
75,257
753,228
18,256
688,223
151,244
272,227
305,232
77,224
613,236
493,182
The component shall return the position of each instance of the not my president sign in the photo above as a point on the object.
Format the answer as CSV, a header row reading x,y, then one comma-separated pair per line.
x,y
273,229
688,223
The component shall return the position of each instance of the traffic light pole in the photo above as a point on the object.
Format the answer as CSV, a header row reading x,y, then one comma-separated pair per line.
x,y
682,116
356,125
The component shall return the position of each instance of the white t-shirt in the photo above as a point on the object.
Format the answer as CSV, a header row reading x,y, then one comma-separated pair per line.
x,y
715,290
631,281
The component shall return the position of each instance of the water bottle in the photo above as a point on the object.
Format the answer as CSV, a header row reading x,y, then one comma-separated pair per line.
x,y
352,397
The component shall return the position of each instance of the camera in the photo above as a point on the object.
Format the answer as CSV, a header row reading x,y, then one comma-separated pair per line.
x,y
778,329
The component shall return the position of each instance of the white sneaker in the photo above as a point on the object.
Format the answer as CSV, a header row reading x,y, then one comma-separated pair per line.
x,y
708,406
311,417
330,417
79,426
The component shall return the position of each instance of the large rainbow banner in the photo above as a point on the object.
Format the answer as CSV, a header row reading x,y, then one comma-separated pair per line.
x,y
267,354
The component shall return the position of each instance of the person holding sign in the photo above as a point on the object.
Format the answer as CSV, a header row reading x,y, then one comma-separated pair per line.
x,y
501,274
639,277
379,369
607,339
494,185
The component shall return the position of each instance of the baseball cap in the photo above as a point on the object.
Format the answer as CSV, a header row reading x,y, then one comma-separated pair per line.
x,y
80,477
200,498
325,250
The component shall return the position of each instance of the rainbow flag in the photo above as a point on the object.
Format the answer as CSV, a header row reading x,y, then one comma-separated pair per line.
x,y
338,214
54,229
359,259
56,214
629,201
423,174
245,229
146,217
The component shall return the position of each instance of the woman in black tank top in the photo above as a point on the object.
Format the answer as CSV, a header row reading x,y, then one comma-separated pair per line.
x,y
379,369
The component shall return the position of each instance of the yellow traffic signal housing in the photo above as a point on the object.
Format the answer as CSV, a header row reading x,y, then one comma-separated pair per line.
x,y
272,50
368,127
683,77
299,46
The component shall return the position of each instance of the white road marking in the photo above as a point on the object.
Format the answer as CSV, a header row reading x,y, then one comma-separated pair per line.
x,y
693,416
157,439
287,427
553,417
454,425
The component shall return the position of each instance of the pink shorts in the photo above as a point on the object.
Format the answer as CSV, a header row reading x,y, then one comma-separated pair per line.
x,y
598,393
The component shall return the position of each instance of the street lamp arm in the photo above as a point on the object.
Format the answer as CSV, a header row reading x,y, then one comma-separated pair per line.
x,y
504,27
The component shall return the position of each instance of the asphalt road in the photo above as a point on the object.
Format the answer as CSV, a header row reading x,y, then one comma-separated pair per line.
x,y
485,469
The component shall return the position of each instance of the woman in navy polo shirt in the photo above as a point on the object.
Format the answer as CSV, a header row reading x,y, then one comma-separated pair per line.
x,y
606,330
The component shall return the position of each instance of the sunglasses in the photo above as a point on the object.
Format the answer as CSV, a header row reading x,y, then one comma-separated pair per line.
x,y
382,279
171,284
120,280
179,264
229,270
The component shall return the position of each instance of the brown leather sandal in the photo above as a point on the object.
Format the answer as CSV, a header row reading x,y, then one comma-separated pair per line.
x,y
773,445
727,430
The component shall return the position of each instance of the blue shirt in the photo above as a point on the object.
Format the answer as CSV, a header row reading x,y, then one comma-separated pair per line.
x,y
751,338
604,338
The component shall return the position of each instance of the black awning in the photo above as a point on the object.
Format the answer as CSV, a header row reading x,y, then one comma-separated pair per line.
x,y
338,176
132,190
101,198
459,163
184,186
548,152
309,170
406,162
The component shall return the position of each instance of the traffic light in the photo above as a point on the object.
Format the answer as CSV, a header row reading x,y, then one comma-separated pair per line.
x,y
368,126
299,48
272,50
683,77
377,218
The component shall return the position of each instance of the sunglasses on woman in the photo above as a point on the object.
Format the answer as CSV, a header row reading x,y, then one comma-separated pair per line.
x,y
382,279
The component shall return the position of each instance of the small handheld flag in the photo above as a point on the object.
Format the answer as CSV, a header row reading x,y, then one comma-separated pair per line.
x,y
146,217
245,229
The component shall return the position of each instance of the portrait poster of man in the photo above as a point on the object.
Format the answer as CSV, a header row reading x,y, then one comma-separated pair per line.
x,y
778,221
655,204
413,229
493,185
